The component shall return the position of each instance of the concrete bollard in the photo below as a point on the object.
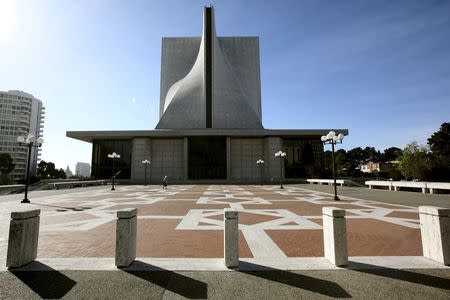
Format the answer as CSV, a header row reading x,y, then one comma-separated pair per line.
x,y
23,238
231,238
126,228
335,235
435,233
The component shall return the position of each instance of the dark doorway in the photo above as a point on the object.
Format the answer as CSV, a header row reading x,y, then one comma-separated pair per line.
x,y
207,158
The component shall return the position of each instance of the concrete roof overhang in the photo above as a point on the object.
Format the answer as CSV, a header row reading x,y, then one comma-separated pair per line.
x,y
89,136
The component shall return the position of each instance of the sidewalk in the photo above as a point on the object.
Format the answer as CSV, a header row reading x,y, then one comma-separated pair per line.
x,y
401,197
272,284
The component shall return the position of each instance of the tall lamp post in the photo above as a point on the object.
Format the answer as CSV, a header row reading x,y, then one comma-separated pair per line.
x,y
333,139
30,141
260,163
113,156
280,154
146,162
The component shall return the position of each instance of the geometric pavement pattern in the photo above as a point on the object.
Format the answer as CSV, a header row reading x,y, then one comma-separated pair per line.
x,y
187,221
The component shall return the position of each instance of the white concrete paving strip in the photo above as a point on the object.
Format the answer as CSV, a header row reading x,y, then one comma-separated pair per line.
x,y
217,264
261,244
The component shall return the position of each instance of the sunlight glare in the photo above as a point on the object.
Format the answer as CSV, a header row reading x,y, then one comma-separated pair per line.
x,y
9,20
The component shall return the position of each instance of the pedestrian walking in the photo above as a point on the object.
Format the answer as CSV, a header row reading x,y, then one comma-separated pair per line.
x,y
165,183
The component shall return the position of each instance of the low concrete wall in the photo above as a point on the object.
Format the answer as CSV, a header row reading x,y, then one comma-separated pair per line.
x,y
23,238
72,184
4,189
341,182
396,185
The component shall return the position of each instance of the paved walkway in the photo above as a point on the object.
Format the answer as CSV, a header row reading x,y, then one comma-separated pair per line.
x,y
187,221
383,195
276,284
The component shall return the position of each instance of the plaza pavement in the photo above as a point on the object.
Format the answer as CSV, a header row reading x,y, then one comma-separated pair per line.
x,y
187,221
180,242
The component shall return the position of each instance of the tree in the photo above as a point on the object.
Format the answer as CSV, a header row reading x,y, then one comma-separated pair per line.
x,y
6,164
356,155
48,170
6,167
440,148
391,154
415,161
439,141
370,154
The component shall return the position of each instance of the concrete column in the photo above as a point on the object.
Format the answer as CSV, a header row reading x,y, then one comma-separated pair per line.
x,y
335,235
228,158
126,237
370,187
231,238
435,233
396,188
185,158
23,238
431,191
424,190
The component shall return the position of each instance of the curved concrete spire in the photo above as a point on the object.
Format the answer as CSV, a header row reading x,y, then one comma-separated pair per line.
x,y
211,94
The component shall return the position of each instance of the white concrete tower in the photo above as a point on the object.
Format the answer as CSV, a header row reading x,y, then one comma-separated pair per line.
x,y
219,87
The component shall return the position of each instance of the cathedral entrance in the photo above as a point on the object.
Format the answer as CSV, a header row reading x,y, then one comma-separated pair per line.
x,y
207,158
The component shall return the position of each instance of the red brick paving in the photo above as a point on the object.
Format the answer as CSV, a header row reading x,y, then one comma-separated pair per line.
x,y
161,238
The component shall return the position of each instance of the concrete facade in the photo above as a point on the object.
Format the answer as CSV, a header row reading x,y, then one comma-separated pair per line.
x,y
83,169
210,82
210,125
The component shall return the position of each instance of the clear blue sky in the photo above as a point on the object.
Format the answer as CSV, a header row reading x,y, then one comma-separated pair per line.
x,y
379,68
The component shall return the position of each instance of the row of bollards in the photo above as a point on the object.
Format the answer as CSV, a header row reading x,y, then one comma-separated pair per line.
x,y
434,226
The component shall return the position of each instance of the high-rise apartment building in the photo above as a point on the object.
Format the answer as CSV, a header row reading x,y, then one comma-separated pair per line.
x,y
83,169
20,114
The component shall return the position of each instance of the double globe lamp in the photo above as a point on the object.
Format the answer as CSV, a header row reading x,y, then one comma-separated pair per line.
x,y
332,138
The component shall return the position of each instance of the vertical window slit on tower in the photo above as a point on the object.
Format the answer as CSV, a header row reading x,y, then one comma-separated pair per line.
x,y
208,66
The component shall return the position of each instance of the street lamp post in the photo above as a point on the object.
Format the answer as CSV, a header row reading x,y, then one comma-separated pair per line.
x,y
146,162
280,154
333,139
260,162
113,156
30,141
